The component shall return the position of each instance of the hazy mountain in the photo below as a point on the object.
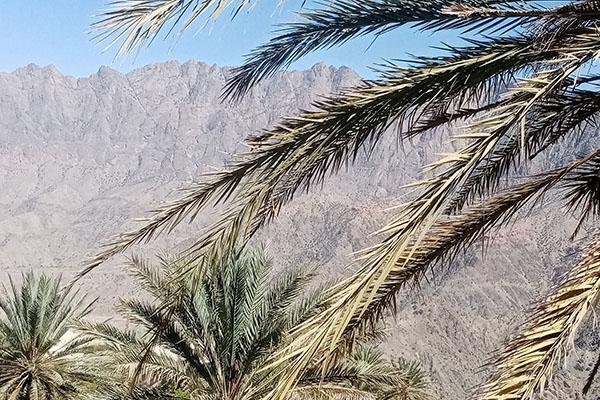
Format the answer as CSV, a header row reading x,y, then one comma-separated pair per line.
x,y
79,158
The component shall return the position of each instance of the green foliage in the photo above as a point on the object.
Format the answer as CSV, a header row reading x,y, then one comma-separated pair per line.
x,y
519,86
40,357
220,329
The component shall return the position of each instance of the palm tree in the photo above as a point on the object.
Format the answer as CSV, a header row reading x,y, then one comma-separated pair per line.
x,y
520,85
40,358
220,330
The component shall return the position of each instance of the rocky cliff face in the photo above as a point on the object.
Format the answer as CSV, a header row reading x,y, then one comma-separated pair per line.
x,y
79,158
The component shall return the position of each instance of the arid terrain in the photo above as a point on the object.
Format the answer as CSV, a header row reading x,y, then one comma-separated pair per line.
x,y
81,157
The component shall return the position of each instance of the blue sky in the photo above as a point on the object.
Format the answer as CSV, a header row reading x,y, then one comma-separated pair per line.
x,y
57,32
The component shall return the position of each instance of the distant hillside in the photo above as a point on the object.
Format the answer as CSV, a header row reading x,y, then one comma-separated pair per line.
x,y
80,158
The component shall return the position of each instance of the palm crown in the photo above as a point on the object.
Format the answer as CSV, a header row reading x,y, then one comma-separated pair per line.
x,y
521,85
40,357
216,339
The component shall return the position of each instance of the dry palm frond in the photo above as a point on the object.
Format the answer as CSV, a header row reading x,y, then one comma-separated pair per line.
x,y
135,22
349,310
343,20
584,192
408,233
571,112
302,150
526,365
539,62
514,125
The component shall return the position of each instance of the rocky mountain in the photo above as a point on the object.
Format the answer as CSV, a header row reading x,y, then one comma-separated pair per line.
x,y
81,157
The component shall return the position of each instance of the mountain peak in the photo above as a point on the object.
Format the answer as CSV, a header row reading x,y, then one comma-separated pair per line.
x,y
34,69
106,71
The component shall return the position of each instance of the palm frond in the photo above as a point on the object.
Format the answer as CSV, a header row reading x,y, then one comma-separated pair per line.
x,y
224,330
305,308
366,373
526,365
133,23
148,277
170,362
217,332
416,384
406,232
162,367
411,227
108,334
366,367
342,20
287,289
569,112
302,150
139,392
35,329
331,391
583,194
350,310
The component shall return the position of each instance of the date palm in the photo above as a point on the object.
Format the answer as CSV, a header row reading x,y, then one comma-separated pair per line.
x,y
220,331
40,359
520,86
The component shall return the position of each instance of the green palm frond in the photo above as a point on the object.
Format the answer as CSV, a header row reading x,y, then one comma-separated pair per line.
x,y
526,365
35,330
304,308
108,333
332,391
132,23
217,330
158,367
217,338
366,367
416,383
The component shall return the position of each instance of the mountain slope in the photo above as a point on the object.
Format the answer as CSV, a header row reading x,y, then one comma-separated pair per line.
x,y
80,158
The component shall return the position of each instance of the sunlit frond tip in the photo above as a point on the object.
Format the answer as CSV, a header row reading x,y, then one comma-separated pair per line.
x,y
133,23
526,365
334,23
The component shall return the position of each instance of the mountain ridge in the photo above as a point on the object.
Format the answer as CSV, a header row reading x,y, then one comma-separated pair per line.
x,y
54,70
80,158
